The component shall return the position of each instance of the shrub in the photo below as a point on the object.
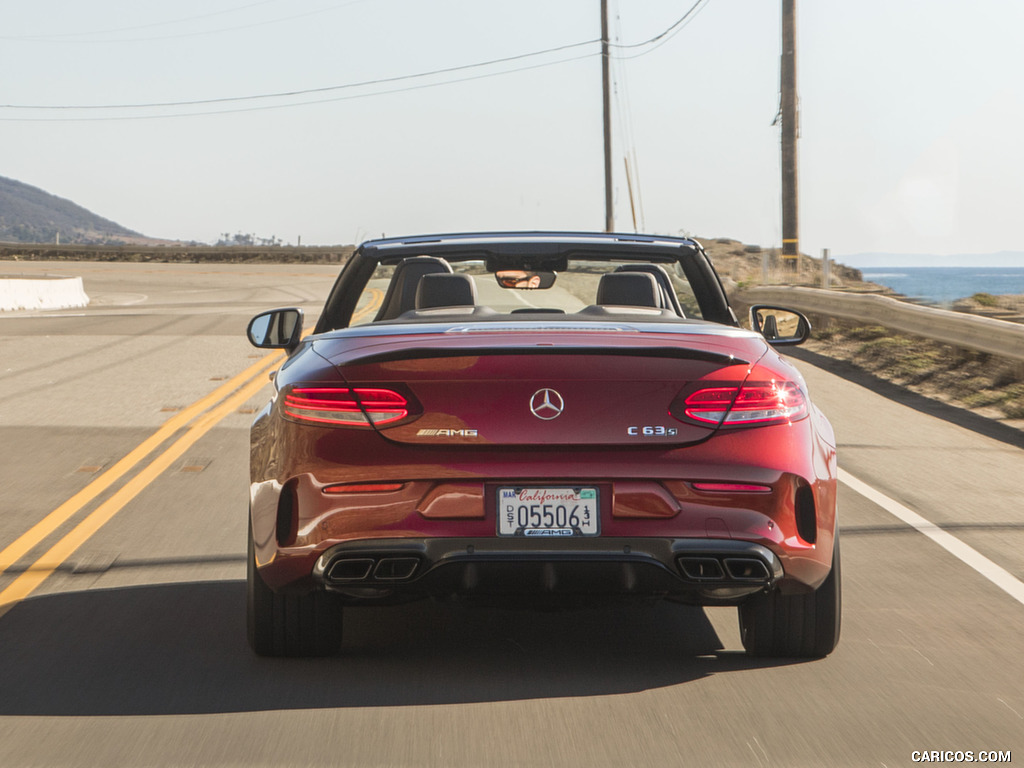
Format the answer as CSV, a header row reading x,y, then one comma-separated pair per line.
x,y
986,299
868,333
983,398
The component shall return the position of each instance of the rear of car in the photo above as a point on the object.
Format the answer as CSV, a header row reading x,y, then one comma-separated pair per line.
x,y
541,456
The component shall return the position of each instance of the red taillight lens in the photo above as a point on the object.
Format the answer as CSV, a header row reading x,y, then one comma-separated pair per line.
x,y
345,406
753,404
710,406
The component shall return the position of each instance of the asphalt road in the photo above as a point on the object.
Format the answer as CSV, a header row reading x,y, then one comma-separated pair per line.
x,y
122,637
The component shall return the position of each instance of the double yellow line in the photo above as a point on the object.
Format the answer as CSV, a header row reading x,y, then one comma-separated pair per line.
x,y
199,418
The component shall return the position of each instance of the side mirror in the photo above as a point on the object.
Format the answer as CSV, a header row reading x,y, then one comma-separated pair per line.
x,y
780,326
276,329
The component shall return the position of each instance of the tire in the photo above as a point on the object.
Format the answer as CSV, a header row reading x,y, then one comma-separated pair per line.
x,y
807,625
289,624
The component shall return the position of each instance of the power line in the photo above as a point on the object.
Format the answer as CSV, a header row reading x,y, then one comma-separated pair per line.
x,y
624,112
655,41
659,40
54,35
675,27
301,92
68,37
268,107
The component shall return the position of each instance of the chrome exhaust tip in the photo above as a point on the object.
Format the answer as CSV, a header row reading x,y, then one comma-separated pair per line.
x,y
395,568
746,569
349,569
701,568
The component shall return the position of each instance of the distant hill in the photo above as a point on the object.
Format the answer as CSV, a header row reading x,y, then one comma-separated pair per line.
x,y
30,215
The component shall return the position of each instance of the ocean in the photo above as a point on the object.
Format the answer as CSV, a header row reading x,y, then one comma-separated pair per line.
x,y
943,285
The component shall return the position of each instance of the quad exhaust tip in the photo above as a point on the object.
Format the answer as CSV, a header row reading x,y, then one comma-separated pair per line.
x,y
746,569
736,569
701,568
347,570
395,568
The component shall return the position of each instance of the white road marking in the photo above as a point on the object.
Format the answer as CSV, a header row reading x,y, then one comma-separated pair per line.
x,y
998,575
1018,714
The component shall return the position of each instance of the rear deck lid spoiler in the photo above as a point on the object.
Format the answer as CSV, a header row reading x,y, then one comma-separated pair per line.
x,y
423,353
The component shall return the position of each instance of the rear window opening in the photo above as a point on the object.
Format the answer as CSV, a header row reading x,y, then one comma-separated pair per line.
x,y
638,289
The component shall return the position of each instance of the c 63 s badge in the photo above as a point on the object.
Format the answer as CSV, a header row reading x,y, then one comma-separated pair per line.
x,y
652,431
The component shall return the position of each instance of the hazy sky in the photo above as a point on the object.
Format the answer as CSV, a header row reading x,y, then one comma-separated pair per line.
x,y
912,113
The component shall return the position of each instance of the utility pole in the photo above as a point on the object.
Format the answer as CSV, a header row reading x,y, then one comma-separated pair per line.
x,y
629,186
790,130
609,213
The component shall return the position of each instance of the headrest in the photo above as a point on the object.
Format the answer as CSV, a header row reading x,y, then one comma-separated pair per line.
x,y
628,289
401,293
443,290
666,291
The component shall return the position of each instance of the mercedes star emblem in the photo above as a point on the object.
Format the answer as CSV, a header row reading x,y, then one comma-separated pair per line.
x,y
546,404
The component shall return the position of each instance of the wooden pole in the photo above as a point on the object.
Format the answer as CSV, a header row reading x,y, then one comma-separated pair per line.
x,y
609,213
790,131
629,185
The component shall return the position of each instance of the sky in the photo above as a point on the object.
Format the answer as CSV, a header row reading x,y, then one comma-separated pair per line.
x,y
911,118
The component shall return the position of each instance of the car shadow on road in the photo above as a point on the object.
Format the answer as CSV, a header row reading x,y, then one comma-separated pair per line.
x,y
180,649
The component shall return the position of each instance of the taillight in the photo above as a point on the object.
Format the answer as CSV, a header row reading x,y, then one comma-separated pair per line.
x,y
345,406
753,404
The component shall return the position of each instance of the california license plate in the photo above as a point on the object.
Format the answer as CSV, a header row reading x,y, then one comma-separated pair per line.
x,y
531,511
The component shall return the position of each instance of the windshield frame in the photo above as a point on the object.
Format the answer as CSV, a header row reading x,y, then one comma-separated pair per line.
x,y
529,250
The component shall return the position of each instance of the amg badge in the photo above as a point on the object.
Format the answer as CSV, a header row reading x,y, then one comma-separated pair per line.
x,y
446,433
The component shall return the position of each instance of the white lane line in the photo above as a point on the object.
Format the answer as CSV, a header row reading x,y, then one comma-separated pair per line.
x,y
1018,714
998,575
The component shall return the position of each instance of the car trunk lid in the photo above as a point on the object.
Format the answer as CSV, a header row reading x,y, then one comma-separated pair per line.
x,y
564,389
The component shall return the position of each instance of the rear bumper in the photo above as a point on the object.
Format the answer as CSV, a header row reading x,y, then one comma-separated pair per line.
x,y
704,571
434,525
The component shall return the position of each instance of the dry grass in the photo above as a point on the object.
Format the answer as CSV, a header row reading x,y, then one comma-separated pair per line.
x,y
990,385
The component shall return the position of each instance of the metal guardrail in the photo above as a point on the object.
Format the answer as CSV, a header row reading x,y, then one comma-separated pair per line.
x,y
983,334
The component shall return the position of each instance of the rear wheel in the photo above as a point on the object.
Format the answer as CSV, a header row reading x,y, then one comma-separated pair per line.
x,y
290,624
807,625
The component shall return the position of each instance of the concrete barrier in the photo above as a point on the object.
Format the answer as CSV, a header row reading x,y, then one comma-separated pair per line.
x,y
983,334
41,293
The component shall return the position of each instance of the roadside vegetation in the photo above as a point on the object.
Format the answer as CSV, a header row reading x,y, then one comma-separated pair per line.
x,y
987,384
981,382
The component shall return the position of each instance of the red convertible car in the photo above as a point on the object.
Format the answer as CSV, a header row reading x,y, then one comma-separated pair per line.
x,y
539,417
